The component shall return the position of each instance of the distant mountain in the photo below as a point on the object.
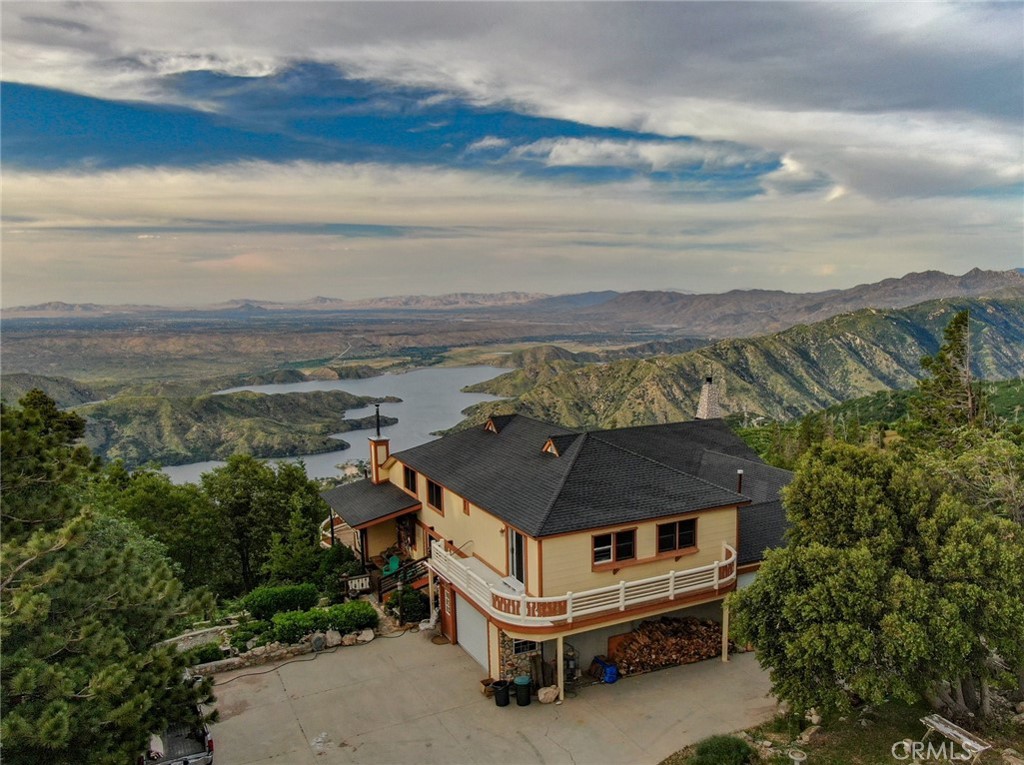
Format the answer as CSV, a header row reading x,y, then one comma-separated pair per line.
x,y
451,301
745,313
782,375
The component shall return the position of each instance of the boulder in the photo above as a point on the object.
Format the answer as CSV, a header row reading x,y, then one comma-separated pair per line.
x,y
813,717
365,636
1019,709
350,639
318,641
548,694
333,638
812,735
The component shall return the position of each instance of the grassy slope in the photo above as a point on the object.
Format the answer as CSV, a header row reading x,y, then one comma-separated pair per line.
x,y
179,429
780,376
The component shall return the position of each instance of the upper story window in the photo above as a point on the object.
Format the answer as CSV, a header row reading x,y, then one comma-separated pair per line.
x,y
615,546
677,535
435,495
410,479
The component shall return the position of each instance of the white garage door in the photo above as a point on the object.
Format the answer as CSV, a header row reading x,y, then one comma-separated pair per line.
x,y
471,631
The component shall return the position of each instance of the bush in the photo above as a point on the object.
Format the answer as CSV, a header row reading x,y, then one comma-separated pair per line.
x,y
264,602
246,631
415,606
292,626
202,654
722,750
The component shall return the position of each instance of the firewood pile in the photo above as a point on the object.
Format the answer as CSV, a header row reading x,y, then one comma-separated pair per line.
x,y
666,642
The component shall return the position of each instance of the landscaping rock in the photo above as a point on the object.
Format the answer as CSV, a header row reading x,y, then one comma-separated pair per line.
x,y
251,643
318,641
333,638
812,735
813,717
548,694
350,639
1019,709
1018,720
1012,757
365,636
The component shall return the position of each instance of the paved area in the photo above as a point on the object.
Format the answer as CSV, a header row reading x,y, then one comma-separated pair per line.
x,y
406,700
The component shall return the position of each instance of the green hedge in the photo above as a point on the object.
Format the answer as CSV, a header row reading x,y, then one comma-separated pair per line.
x,y
264,602
722,750
292,626
415,606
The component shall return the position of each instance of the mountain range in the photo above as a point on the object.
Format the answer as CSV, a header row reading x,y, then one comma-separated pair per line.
x,y
781,375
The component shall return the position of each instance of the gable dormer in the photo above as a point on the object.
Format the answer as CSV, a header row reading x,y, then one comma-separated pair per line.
x,y
557,445
495,423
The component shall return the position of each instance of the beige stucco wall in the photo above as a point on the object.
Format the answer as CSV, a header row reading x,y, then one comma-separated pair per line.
x,y
380,537
478,533
568,559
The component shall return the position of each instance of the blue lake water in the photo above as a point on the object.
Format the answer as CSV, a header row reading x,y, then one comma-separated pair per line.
x,y
432,400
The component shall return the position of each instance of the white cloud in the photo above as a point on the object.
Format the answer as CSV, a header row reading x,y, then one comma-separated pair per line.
x,y
488,142
466,231
648,155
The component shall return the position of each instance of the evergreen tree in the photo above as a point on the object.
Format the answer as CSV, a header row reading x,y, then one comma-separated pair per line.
x,y
889,587
83,600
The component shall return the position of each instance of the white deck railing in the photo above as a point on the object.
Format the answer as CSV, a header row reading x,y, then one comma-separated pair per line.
x,y
526,609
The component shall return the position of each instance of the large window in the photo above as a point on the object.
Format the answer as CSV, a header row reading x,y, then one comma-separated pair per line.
x,y
677,536
410,479
614,547
435,495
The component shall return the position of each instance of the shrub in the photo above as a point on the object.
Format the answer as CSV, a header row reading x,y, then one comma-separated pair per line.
x,y
264,602
722,750
246,631
415,606
292,626
202,654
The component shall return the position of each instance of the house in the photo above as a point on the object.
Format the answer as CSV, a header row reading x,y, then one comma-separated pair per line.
x,y
534,535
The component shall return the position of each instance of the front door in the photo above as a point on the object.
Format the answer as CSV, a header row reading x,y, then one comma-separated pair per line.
x,y
516,555
447,611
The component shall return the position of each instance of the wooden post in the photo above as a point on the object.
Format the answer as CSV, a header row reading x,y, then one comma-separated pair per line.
x,y
430,590
560,666
725,631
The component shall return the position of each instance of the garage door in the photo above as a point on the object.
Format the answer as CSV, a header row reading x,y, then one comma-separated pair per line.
x,y
471,632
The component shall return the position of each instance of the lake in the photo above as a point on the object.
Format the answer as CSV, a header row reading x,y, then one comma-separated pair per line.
x,y
432,400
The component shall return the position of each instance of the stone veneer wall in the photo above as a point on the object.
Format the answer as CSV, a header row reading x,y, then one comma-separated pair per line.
x,y
513,665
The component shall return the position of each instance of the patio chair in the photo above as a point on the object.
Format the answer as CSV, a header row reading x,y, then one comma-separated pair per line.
x,y
391,566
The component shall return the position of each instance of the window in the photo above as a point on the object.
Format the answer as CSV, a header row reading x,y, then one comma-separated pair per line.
x,y
410,479
620,545
523,646
435,495
677,536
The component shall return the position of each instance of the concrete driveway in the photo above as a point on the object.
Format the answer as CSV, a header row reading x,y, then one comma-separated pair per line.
x,y
406,700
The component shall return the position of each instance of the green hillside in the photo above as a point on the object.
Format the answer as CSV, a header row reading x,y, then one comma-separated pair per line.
x,y
781,376
173,430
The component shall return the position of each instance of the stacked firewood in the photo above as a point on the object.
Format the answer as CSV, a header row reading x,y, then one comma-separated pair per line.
x,y
666,642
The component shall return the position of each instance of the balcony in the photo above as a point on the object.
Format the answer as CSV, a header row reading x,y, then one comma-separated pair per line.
x,y
487,590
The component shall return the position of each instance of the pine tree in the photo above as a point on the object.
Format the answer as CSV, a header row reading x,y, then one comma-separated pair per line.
x,y
83,600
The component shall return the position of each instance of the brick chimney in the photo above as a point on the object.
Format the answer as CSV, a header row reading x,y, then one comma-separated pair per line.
x,y
708,407
380,450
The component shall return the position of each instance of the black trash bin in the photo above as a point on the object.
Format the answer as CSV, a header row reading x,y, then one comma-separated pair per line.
x,y
523,690
500,688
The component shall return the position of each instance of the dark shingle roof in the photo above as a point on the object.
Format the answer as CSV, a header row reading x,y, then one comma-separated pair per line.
x,y
762,527
362,502
600,478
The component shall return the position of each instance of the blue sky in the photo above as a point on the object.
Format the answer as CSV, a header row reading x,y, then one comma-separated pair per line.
x,y
192,152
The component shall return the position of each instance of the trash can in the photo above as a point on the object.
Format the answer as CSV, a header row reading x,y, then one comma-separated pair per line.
x,y
500,688
523,690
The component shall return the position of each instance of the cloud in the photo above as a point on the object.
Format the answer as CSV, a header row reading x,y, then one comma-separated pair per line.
x,y
488,142
653,156
290,231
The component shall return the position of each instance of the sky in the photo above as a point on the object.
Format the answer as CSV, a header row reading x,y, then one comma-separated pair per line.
x,y
187,153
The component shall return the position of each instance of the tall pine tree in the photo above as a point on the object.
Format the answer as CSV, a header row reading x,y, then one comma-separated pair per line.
x,y
83,601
